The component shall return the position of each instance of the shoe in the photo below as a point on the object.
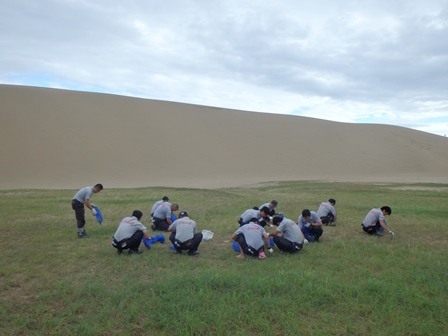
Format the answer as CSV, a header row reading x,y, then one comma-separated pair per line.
x,y
83,235
135,252
332,224
193,253
378,234
261,255
153,227
177,251
119,252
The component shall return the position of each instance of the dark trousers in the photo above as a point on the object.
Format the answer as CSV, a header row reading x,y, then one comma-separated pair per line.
x,y
191,245
372,229
249,250
316,230
161,224
284,244
328,219
79,213
132,243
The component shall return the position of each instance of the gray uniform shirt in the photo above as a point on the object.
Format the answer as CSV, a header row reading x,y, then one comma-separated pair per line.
x,y
291,231
185,228
249,214
84,194
373,217
325,208
128,226
163,211
155,206
314,218
267,205
253,233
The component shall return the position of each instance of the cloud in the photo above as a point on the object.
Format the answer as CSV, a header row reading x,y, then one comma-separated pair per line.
x,y
379,60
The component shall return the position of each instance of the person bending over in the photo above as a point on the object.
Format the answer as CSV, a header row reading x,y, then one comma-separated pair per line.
x,y
184,236
162,216
291,239
260,215
375,220
130,233
81,198
271,206
312,222
249,238
327,212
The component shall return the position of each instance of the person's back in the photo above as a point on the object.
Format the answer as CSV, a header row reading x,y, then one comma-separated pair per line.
x,y
373,217
185,228
253,233
325,208
163,211
127,227
291,231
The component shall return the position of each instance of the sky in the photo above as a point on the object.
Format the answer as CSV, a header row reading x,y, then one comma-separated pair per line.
x,y
369,61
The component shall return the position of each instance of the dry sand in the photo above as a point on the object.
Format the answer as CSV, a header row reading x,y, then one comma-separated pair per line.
x,y
60,139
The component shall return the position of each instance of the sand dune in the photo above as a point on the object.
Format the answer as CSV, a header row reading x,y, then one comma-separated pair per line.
x,y
65,139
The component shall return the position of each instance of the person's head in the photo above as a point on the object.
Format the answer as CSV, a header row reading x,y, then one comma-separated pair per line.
x,y
174,207
183,214
264,212
387,211
137,214
273,204
277,220
306,214
97,188
253,220
165,199
332,201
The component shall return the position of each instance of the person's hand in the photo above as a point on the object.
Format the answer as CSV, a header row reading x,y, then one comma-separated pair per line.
x,y
93,211
272,226
270,250
305,241
391,233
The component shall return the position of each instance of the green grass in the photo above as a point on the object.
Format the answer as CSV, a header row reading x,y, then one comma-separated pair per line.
x,y
53,283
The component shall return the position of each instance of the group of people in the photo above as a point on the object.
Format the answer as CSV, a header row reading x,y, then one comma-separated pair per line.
x,y
250,237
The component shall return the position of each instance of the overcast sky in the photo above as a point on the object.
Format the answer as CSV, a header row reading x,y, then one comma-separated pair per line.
x,y
378,61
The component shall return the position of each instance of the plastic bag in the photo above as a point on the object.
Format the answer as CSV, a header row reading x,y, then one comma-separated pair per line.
x,y
207,235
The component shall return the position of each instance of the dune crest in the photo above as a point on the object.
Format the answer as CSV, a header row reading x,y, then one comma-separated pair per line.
x,y
59,139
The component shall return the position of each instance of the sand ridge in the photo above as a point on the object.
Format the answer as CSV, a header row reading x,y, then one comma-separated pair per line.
x,y
60,139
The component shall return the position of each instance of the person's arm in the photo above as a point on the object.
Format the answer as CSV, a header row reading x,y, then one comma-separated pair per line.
x,y
384,226
335,216
268,242
273,233
234,237
88,204
146,235
169,221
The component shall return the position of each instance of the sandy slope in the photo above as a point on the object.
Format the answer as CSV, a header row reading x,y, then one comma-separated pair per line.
x,y
65,139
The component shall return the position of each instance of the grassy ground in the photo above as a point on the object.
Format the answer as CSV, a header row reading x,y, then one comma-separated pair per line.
x,y
56,284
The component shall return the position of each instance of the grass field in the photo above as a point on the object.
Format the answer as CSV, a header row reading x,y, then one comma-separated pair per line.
x,y
53,283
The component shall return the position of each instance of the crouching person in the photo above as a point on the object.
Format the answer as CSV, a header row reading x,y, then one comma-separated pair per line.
x,y
130,233
249,238
292,237
184,236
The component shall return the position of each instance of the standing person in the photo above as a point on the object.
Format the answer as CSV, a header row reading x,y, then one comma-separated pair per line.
x,y
156,205
249,214
250,240
271,206
81,198
327,212
184,236
375,220
130,233
312,222
162,216
292,238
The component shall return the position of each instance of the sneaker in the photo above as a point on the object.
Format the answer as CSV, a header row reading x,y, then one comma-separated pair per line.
x,y
332,224
193,253
378,234
119,252
153,227
83,235
261,255
135,252
177,251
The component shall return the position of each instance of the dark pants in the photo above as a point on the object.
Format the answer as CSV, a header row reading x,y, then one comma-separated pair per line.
x,y
79,213
132,243
249,250
328,219
316,230
286,245
161,224
371,229
191,245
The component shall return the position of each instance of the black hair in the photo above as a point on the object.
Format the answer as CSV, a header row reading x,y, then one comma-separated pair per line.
x,y
306,213
165,198
176,206
262,223
99,186
387,209
332,200
266,210
137,214
277,220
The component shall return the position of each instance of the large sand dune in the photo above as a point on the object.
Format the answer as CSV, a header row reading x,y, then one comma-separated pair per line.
x,y
65,139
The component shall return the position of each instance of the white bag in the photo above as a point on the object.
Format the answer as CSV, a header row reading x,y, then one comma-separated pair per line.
x,y
207,235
